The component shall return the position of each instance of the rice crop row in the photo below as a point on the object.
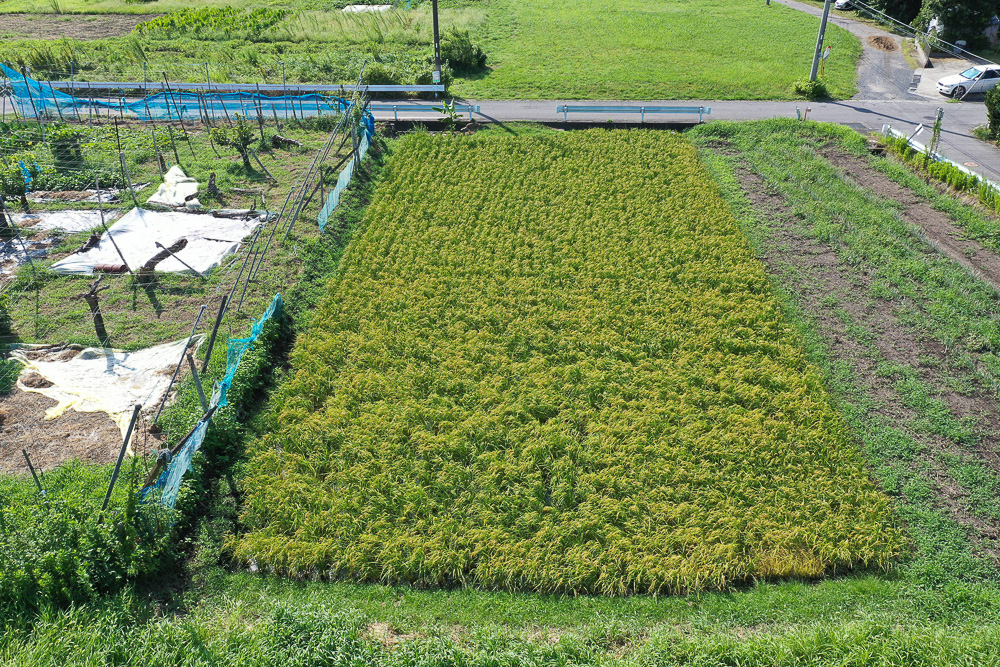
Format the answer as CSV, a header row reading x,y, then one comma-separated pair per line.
x,y
553,363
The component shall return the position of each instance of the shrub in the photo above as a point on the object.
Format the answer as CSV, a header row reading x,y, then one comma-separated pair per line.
x,y
811,90
378,74
56,550
459,51
992,101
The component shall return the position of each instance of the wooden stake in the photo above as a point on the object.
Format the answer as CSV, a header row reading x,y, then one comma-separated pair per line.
x,y
197,383
215,330
93,302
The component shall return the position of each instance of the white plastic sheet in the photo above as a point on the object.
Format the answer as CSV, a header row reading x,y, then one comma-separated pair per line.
x,y
174,190
71,221
106,380
210,241
365,9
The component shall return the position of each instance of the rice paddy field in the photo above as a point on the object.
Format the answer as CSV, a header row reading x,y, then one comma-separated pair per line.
x,y
566,374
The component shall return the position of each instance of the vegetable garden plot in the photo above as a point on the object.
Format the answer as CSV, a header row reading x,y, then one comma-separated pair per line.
x,y
553,363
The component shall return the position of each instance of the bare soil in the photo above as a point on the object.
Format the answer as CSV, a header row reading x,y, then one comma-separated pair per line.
x,y
827,289
883,43
941,232
71,26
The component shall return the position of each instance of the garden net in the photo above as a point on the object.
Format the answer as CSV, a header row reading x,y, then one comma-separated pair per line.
x,y
170,480
33,98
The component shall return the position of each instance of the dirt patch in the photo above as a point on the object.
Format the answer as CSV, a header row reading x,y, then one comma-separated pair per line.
x,y
833,293
883,43
70,26
387,635
90,437
946,237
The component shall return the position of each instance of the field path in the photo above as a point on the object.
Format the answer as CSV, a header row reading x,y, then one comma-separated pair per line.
x,y
883,73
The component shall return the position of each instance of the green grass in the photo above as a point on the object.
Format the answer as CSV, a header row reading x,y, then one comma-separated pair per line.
x,y
640,49
538,49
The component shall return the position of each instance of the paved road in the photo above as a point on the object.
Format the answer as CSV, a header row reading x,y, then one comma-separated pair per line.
x,y
957,141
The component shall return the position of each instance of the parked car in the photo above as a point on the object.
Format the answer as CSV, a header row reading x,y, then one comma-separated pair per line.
x,y
976,79
843,4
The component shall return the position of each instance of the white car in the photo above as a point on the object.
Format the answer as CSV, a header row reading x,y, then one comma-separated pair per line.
x,y
843,4
976,79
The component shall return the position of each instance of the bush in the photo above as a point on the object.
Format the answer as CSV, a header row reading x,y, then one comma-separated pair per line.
x,y
992,101
811,90
460,53
378,74
56,551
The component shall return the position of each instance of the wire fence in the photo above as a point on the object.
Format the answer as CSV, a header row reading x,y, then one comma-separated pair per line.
x,y
241,280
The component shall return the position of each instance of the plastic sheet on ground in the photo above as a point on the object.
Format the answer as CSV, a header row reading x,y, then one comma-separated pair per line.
x,y
365,9
106,380
13,254
71,221
107,195
210,241
175,189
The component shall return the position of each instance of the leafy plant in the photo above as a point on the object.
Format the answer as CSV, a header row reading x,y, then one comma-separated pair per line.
x,y
992,102
811,90
451,116
460,52
238,137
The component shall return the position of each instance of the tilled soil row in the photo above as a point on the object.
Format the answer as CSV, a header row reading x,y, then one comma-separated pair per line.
x,y
832,293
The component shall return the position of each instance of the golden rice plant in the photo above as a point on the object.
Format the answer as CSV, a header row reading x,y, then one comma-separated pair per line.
x,y
553,363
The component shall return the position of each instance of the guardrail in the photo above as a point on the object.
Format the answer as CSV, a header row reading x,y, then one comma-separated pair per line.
x,y
642,110
889,131
422,108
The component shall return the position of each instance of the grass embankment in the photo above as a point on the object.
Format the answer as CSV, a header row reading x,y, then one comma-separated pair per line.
x,y
565,374
918,375
538,49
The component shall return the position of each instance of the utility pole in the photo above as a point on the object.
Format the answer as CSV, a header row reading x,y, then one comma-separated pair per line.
x,y
437,44
819,40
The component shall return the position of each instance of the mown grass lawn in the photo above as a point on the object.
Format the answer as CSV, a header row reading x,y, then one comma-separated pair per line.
x,y
654,49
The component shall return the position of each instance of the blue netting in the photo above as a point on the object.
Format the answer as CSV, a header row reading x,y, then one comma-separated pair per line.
x,y
170,481
344,179
237,347
33,98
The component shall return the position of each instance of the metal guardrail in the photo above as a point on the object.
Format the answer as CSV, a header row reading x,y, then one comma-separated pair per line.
x,y
422,108
641,110
79,84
